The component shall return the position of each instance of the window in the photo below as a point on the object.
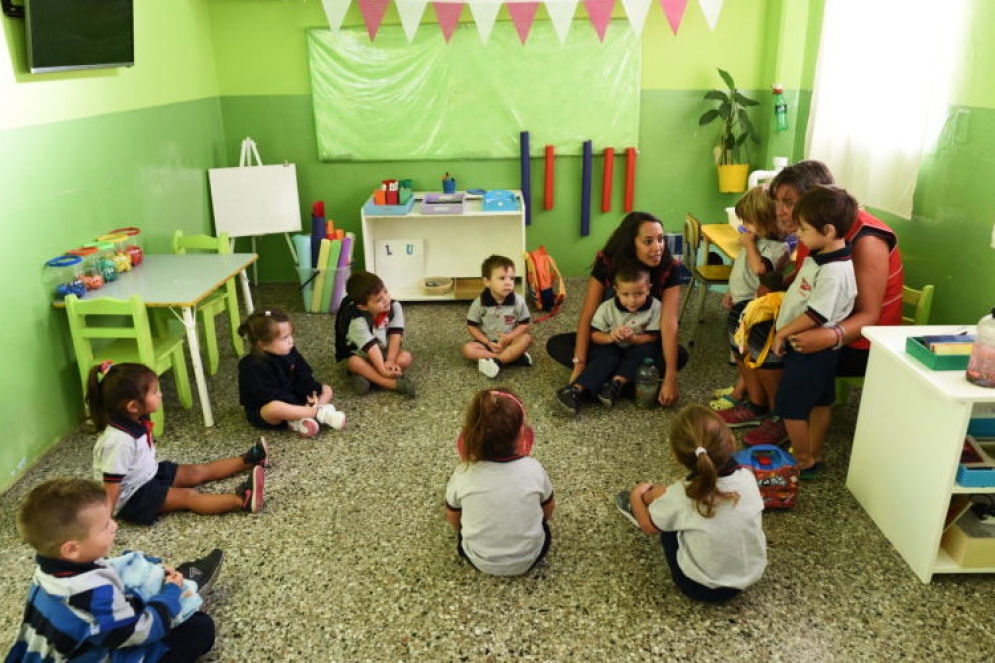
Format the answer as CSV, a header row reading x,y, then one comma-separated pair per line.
x,y
882,89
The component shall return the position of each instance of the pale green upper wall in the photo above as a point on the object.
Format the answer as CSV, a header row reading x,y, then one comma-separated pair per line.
x,y
174,61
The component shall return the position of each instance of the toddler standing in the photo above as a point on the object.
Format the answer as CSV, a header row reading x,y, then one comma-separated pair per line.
x,y
139,488
275,383
710,521
498,321
499,498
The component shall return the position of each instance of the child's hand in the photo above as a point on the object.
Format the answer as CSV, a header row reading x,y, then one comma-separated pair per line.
x,y
312,399
391,369
494,346
747,237
777,347
727,300
173,576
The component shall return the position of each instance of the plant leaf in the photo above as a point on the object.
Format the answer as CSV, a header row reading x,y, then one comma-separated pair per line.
x,y
744,101
717,94
708,116
750,130
727,78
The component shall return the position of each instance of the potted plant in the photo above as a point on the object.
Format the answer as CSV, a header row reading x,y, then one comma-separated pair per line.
x,y
732,150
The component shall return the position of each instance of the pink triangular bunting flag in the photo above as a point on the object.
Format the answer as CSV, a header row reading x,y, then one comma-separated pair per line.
x,y
448,14
522,15
600,13
674,9
373,12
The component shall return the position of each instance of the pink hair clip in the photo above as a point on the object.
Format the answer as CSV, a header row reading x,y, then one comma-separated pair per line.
x,y
104,368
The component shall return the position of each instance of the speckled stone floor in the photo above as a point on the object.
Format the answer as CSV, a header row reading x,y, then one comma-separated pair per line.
x,y
351,558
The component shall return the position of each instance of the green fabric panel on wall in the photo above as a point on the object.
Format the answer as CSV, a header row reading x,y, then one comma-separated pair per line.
x,y
465,99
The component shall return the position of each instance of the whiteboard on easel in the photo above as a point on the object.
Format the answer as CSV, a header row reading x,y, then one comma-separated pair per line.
x,y
255,199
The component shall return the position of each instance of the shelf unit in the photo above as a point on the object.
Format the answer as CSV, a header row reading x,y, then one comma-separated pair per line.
x,y
454,245
907,445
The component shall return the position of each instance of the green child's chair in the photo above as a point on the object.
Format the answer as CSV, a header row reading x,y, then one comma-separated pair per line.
x,y
916,305
221,300
118,330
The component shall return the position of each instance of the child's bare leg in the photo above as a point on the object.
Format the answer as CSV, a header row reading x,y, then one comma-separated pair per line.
x,y
188,476
818,426
404,359
188,499
276,412
516,349
800,444
755,391
475,351
770,380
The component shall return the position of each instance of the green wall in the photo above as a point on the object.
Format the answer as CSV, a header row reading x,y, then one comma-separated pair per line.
x,y
84,153
89,151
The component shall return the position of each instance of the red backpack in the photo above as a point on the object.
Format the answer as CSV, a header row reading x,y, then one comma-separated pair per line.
x,y
545,284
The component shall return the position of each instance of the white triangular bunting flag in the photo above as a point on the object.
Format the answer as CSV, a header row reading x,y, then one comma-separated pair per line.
x,y
711,9
410,12
335,11
484,15
561,14
636,11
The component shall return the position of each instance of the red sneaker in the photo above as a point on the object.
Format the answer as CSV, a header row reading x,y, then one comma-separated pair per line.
x,y
771,431
742,416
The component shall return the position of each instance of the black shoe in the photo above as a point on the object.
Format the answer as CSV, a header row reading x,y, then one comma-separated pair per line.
x,y
610,393
203,571
258,454
569,399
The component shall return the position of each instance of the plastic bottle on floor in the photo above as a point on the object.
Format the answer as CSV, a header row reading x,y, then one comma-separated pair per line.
x,y
981,367
647,384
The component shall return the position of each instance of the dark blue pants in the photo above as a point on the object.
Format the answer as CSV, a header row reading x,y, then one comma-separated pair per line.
x,y
606,361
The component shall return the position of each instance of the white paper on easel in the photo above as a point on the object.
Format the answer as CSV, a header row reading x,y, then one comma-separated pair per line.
x,y
400,262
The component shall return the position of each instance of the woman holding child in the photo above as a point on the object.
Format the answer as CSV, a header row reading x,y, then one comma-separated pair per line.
x,y
638,238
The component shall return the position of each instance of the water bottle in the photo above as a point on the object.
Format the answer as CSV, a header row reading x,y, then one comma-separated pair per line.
x,y
780,109
647,384
981,367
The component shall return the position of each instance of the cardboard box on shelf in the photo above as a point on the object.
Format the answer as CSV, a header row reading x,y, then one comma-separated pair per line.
x,y
970,542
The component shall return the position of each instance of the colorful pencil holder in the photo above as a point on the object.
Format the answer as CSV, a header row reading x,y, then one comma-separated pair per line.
x,y
63,276
134,245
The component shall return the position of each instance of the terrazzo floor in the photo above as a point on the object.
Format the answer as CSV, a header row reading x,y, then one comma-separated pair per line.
x,y
352,559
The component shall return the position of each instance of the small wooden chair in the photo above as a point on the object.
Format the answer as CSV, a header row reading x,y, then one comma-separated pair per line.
x,y
221,300
118,330
916,306
704,276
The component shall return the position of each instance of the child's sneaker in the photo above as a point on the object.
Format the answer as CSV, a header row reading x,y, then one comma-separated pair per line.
x,y
488,367
328,415
524,360
743,415
253,488
203,571
360,385
306,427
405,386
258,454
624,507
609,393
569,399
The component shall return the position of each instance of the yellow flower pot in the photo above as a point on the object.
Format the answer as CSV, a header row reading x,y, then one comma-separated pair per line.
x,y
732,177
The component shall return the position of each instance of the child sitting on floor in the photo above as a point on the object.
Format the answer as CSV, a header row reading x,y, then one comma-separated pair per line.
x,y
374,338
275,383
79,608
139,488
498,321
499,498
625,330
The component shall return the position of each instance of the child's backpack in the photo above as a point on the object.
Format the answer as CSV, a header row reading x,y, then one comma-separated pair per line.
x,y
343,317
545,284
776,471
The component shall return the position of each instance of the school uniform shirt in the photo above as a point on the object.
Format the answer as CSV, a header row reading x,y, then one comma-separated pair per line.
x,y
727,550
366,331
264,378
612,315
501,512
79,612
825,290
125,454
743,281
495,318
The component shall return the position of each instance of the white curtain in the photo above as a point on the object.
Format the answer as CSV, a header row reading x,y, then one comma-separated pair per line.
x,y
882,88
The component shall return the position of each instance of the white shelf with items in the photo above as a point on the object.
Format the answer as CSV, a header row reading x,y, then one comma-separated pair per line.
x,y
907,446
404,249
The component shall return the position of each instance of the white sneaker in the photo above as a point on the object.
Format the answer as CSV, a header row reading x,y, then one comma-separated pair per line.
x,y
328,415
306,427
488,367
